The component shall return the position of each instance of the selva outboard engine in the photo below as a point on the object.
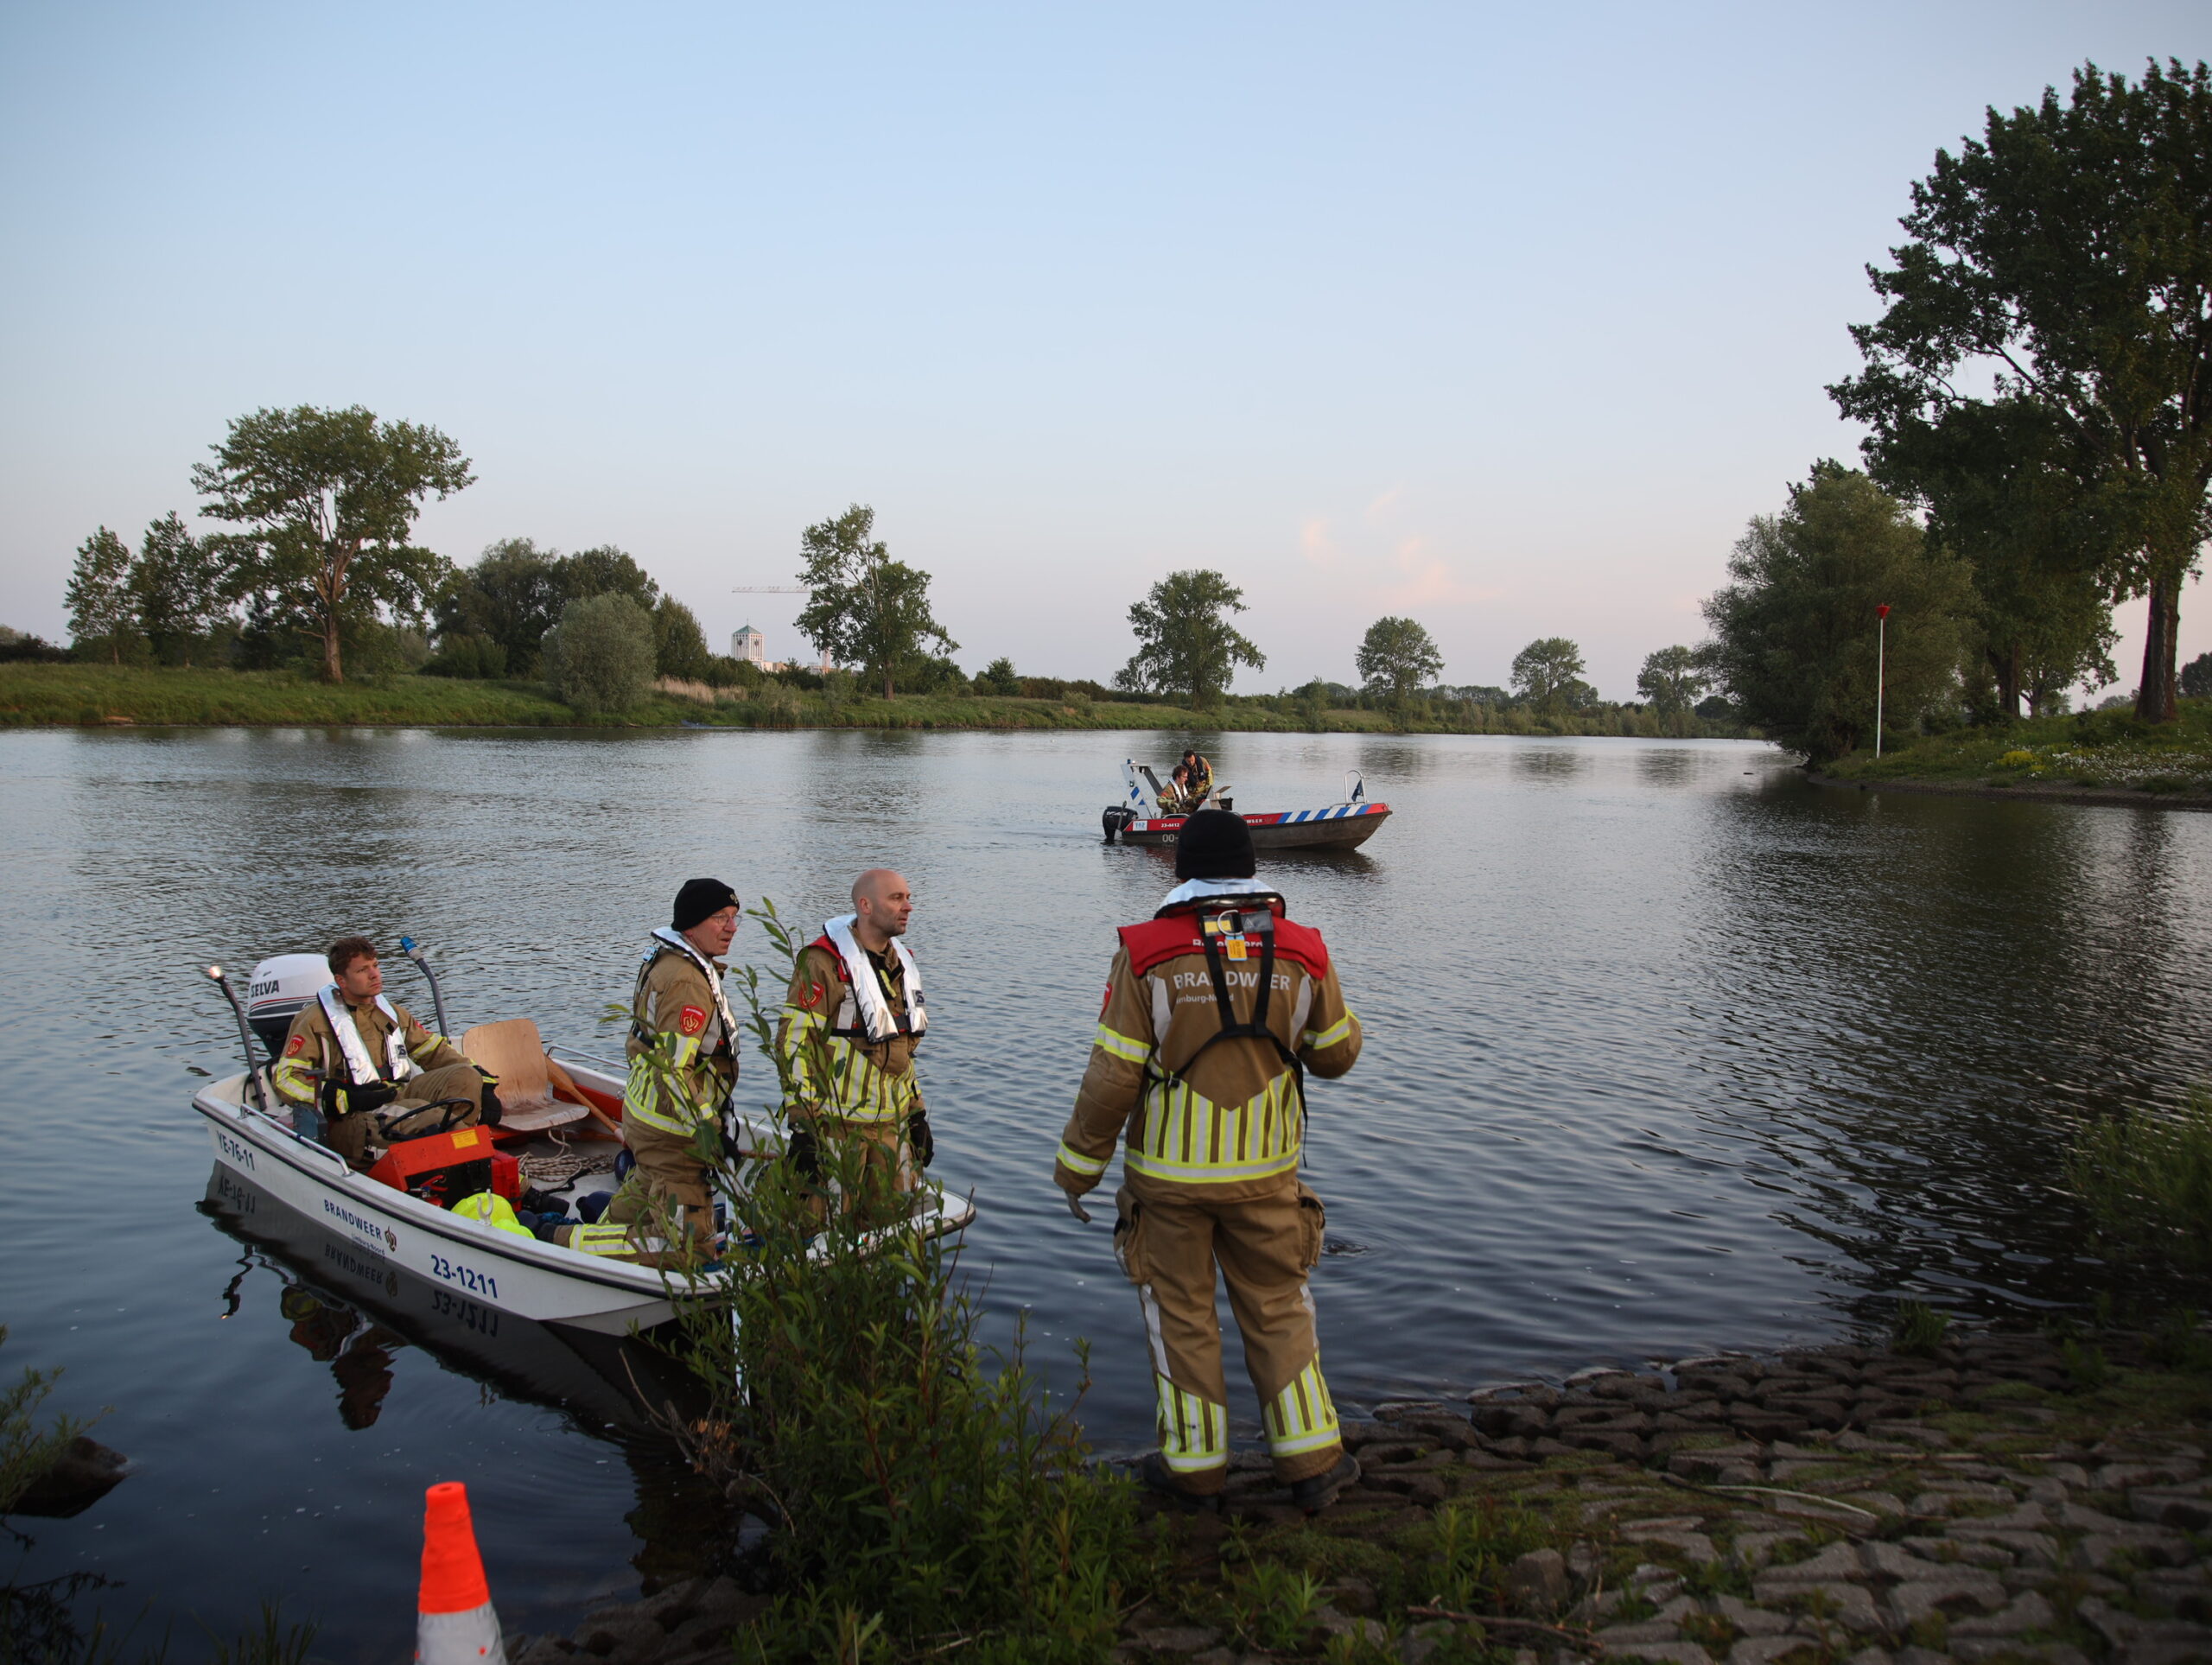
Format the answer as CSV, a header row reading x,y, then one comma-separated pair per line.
x,y
283,986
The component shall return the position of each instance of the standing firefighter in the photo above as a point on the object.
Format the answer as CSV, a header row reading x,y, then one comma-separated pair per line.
x,y
852,1019
682,1053
1215,1010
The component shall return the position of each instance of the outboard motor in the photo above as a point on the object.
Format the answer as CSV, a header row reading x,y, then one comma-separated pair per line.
x,y
281,987
1116,820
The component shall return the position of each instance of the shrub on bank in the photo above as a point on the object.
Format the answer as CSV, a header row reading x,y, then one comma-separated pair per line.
x,y
600,658
2147,1177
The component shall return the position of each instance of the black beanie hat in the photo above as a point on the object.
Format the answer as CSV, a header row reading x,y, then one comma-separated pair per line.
x,y
1214,844
701,898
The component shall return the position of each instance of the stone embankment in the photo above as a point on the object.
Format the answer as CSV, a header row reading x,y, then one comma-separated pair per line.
x,y
2007,1498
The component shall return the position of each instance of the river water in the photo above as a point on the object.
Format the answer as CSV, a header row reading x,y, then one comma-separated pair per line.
x,y
1666,1049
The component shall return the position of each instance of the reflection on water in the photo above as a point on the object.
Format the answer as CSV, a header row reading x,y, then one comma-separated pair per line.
x,y
1666,1049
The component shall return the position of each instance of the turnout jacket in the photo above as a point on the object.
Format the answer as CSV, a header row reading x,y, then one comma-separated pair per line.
x,y
677,1015
1226,1118
311,1053
836,1069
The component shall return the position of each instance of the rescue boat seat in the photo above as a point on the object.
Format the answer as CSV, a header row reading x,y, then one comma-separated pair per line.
x,y
513,1052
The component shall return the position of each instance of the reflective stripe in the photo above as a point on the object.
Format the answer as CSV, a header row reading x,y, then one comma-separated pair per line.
x,y
1337,1031
600,1240
857,1089
641,1098
1076,1162
1185,1137
1121,1045
1302,1417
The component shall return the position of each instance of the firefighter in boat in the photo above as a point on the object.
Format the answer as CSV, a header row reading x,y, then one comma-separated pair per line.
x,y
1198,780
851,1021
1217,1010
375,1072
682,1053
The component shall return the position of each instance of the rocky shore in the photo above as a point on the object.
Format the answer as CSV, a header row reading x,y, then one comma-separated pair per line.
x,y
2001,1498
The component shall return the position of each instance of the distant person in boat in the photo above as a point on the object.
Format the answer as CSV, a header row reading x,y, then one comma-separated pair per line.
x,y
851,1020
682,1053
1217,1010
1198,780
1177,801
375,1072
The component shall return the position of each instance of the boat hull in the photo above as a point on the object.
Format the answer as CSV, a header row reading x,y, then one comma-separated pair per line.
x,y
1342,827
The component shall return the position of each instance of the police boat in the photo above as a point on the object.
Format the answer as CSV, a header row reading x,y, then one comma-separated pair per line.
x,y
1344,825
561,1125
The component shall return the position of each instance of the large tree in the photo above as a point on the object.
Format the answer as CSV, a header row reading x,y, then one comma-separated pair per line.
x,y
1795,630
102,608
2065,258
1547,674
1396,656
1672,680
329,499
512,596
863,608
178,582
1186,644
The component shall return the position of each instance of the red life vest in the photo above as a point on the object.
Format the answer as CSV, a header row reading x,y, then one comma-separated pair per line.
x,y
1156,941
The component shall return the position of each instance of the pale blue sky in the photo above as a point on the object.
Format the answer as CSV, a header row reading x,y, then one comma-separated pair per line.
x,y
1506,318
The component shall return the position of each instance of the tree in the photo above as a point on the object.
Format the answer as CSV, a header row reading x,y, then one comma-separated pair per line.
x,y
998,678
2195,677
510,598
102,608
1795,632
2067,257
1186,644
1397,657
177,583
603,570
1547,674
863,607
1672,680
679,646
330,497
600,658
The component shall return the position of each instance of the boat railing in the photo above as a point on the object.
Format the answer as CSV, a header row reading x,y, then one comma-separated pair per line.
x,y
620,1066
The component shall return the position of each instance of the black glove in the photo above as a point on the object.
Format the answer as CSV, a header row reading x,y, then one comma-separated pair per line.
x,y
918,1135
489,1107
803,1153
343,1098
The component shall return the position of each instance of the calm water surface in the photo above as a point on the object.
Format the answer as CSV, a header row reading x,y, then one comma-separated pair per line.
x,y
1666,1050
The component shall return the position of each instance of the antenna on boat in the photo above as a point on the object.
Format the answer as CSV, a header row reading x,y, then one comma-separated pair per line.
x,y
245,1035
413,950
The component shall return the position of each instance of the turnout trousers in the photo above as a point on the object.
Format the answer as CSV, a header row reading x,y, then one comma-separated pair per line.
x,y
670,1182
1171,1247
361,1137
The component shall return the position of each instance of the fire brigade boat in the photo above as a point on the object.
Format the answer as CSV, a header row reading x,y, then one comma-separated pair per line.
x,y
258,1136
1344,825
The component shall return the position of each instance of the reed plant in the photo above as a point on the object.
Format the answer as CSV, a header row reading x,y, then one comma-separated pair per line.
x,y
928,1494
2147,1179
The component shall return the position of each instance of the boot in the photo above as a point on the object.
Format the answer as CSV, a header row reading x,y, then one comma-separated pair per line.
x,y
1319,1491
1155,1475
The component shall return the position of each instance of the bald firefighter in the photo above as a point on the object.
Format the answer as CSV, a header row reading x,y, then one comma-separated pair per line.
x,y
1216,1009
682,1053
851,1021
375,1072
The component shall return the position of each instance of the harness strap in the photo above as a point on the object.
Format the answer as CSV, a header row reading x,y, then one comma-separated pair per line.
x,y
1231,1029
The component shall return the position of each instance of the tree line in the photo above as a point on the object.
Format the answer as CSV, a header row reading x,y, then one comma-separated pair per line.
x,y
2038,397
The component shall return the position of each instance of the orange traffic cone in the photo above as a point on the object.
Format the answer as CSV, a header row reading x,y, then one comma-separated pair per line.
x,y
454,1622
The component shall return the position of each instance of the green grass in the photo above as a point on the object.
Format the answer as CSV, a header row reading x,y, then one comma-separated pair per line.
x,y
2147,1178
2100,749
91,695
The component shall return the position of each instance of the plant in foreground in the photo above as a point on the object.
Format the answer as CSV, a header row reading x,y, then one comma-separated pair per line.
x,y
1917,1329
2147,1178
930,1496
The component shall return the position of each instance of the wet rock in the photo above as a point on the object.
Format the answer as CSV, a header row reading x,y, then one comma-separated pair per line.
x,y
623,1640
1659,1653
1417,1643
2027,1612
1764,1650
1332,1623
1952,1589
86,1471
1537,1582
545,1650
2189,1510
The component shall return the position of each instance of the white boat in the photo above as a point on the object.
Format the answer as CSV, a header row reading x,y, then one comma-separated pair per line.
x,y
515,1273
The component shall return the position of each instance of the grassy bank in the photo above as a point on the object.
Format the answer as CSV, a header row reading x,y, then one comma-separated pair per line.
x,y
80,695
2107,751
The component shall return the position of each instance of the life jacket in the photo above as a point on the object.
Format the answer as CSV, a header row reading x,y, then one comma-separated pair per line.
x,y
665,941
1223,929
864,1015
360,1069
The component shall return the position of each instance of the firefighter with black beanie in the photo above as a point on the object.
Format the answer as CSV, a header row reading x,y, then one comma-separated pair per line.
x,y
1217,1010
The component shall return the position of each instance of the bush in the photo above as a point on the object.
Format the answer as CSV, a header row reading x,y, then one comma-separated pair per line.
x,y
17,648
725,671
2197,678
600,658
469,658
2148,1180
997,677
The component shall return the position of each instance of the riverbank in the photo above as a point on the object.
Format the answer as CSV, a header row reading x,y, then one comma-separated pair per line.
x,y
2096,757
96,695
1995,1497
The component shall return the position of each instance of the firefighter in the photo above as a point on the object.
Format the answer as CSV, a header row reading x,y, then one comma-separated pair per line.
x,y
1216,1009
1198,779
682,1053
375,1072
851,1020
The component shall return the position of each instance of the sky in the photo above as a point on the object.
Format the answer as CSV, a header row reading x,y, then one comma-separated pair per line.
x,y
1507,318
